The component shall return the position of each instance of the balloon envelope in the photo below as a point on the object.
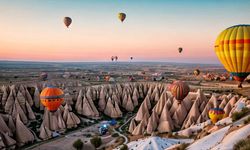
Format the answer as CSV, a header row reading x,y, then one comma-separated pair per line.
x,y
106,78
67,21
179,90
51,97
121,16
180,49
196,72
216,114
232,47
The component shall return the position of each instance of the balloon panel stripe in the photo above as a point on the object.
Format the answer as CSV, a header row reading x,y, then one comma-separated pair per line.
x,y
236,41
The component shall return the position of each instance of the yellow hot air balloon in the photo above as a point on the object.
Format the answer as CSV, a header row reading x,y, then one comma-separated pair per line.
x,y
121,16
216,114
233,50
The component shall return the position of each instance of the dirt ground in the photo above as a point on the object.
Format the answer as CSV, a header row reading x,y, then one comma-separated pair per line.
x,y
66,142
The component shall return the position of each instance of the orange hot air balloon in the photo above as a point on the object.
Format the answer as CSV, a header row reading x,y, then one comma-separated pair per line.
x,y
51,97
121,16
179,90
232,47
67,21
216,114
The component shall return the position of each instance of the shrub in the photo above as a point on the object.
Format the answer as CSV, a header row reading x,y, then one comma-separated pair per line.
x,y
246,121
242,145
121,122
237,115
96,141
124,147
78,144
183,146
120,140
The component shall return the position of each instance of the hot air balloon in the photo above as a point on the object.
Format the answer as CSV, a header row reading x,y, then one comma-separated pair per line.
x,y
131,58
171,85
216,114
116,58
67,21
179,90
51,97
112,58
232,47
180,49
106,78
196,72
43,76
131,78
121,16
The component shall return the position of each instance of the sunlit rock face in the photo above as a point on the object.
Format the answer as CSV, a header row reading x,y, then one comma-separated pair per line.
x,y
167,115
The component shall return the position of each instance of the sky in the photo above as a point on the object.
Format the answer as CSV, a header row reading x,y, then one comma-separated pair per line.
x,y
33,30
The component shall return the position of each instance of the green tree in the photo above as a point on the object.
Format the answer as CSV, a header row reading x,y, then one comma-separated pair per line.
x,y
96,141
78,144
243,144
124,147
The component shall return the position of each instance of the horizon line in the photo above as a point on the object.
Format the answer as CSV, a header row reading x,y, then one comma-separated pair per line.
x,y
135,61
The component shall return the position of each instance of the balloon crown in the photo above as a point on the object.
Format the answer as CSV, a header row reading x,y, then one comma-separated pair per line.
x,y
239,25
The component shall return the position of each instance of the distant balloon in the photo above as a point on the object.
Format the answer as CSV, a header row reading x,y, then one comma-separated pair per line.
x,y
216,114
179,90
232,48
121,16
51,97
112,58
180,49
131,58
106,78
43,76
196,72
67,21
131,78
116,58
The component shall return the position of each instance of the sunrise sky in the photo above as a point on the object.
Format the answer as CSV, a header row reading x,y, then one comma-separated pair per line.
x,y
153,30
